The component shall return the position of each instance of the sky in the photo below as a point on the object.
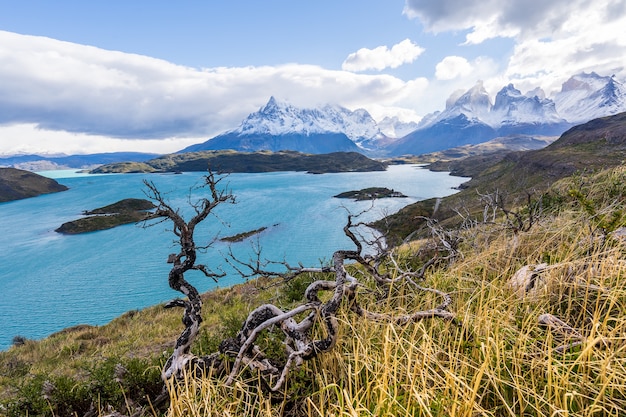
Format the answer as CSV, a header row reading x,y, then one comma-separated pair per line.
x,y
156,76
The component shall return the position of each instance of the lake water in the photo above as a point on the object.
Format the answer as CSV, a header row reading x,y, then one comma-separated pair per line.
x,y
50,281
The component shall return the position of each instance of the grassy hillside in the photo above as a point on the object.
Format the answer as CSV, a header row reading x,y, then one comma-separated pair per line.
x,y
497,360
500,357
516,176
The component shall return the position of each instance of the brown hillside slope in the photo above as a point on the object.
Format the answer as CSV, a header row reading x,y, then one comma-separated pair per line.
x,y
598,144
16,184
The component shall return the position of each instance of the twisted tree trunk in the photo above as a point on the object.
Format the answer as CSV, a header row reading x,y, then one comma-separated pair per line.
x,y
298,342
181,359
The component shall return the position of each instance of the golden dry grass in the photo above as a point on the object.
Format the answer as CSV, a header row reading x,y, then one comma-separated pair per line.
x,y
496,361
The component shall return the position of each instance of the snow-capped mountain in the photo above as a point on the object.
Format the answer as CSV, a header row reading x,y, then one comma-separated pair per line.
x,y
511,107
471,118
530,113
280,118
588,96
393,127
279,125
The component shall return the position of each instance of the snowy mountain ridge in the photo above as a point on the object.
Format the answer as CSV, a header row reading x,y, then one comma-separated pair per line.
x,y
510,107
588,96
582,97
470,117
281,118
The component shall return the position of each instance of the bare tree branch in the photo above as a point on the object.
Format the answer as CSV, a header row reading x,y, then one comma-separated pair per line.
x,y
297,324
185,261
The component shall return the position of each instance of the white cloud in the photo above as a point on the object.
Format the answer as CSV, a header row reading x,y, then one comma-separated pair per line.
x,y
553,40
27,138
495,18
382,57
403,114
452,67
588,41
89,97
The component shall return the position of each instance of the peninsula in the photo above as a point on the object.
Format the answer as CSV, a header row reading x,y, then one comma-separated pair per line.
x,y
229,161
16,184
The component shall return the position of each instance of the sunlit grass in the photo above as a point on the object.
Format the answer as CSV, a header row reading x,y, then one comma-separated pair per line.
x,y
497,360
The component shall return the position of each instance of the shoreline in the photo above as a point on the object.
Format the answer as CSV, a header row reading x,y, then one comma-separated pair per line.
x,y
88,309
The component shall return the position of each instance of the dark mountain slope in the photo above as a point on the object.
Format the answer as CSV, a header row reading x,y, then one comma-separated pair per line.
x,y
231,161
446,134
16,184
309,143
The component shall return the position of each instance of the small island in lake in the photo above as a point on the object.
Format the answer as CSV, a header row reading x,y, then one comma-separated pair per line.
x,y
242,236
371,194
129,210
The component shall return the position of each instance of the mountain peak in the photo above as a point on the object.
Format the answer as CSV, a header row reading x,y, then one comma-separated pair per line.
x,y
274,106
476,99
271,104
583,81
473,103
279,118
587,96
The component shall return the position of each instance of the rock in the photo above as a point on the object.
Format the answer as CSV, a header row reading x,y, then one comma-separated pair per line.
x,y
527,279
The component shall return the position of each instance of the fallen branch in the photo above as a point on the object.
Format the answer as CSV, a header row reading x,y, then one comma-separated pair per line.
x,y
563,331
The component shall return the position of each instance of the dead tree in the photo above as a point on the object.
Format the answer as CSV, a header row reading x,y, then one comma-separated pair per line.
x,y
184,261
521,220
298,335
242,351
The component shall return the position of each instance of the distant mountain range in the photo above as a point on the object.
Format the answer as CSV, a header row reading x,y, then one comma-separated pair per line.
x,y
470,117
48,162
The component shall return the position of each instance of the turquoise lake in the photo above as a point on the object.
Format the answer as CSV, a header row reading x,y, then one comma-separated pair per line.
x,y
50,281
